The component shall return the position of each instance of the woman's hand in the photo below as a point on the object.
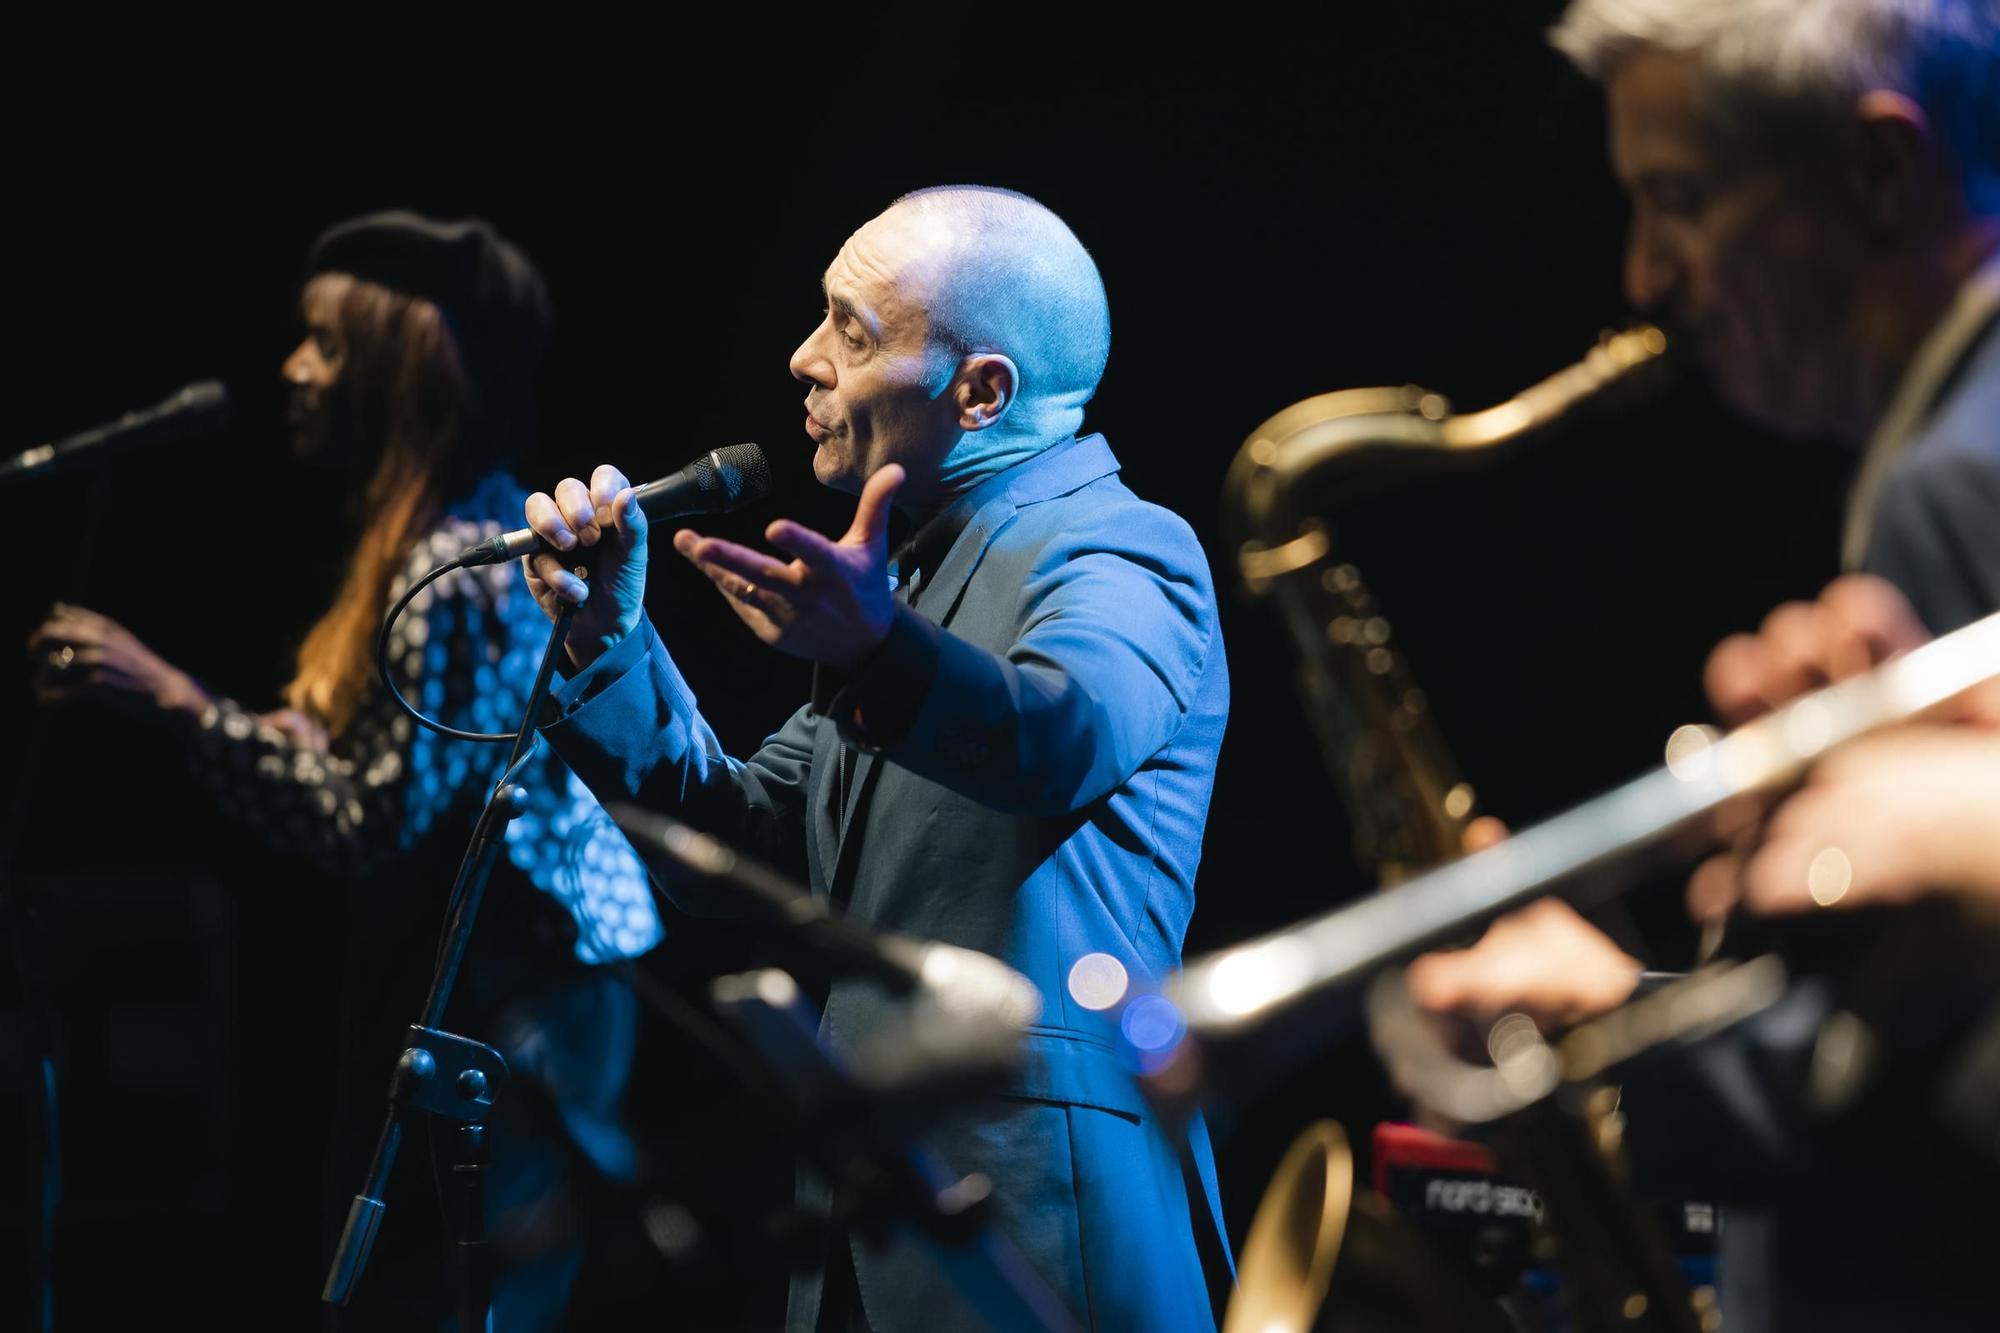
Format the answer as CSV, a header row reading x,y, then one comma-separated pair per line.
x,y
80,654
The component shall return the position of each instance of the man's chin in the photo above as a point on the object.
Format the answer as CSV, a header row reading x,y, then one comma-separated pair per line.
x,y
1799,397
833,471
1783,414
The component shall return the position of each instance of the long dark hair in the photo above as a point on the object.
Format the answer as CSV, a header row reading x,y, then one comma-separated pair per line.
x,y
404,389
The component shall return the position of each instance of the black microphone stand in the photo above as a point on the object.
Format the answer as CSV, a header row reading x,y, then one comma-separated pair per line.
x,y
448,1076
198,406
23,918
438,1072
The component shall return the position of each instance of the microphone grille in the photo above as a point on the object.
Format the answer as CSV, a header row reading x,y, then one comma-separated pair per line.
x,y
207,402
743,472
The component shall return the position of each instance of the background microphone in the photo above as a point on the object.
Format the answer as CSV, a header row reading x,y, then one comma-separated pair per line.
x,y
971,985
717,482
196,409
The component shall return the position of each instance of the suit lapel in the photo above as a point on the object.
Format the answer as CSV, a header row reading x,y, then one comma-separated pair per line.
x,y
939,593
848,855
823,827
936,597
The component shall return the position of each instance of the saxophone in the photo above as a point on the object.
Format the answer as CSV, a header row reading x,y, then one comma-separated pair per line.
x,y
1409,807
1402,790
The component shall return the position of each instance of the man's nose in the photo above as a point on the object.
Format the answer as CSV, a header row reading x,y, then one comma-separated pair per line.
x,y
810,364
1651,270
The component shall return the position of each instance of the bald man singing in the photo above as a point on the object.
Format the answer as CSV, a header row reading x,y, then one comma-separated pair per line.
x,y
1012,738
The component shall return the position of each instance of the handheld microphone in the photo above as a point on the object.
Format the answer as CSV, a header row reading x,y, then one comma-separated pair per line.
x,y
719,481
197,408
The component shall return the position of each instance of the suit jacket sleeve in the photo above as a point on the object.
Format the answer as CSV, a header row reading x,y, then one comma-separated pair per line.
x,y
1112,633
629,728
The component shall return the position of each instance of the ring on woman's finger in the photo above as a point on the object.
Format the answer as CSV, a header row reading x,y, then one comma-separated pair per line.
x,y
60,658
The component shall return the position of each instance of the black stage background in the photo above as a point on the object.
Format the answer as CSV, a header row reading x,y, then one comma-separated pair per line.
x,y
1412,198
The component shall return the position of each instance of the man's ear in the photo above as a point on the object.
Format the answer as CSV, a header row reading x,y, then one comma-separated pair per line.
x,y
1896,149
984,389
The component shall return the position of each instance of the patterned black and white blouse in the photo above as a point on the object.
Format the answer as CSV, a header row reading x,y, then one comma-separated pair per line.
x,y
465,652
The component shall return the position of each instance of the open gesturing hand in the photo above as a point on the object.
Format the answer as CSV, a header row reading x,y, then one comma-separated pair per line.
x,y
831,602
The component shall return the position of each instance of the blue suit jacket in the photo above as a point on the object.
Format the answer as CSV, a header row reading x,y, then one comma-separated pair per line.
x,y
1937,517
1042,798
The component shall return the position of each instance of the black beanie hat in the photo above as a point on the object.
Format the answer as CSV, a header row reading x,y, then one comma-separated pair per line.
x,y
497,303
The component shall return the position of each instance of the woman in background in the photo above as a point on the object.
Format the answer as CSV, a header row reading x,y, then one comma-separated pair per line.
x,y
414,380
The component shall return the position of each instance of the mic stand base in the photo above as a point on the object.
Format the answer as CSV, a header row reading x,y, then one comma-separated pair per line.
x,y
447,1075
